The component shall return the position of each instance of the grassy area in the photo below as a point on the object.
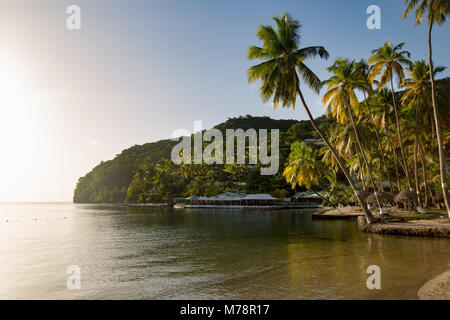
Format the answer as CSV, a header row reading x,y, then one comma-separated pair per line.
x,y
431,214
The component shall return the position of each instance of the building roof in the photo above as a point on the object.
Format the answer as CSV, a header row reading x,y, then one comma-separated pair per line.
x,y
259,196
232,195
223,198
305,194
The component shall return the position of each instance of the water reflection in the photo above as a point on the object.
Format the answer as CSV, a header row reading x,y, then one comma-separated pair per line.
x,y
159,253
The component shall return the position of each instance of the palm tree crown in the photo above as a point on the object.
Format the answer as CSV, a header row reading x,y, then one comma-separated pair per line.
x,y
389,62
436,10
283,62
342,84
418,84
303,168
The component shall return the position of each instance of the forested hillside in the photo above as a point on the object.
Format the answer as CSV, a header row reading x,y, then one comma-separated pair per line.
x,y
108,182
142,173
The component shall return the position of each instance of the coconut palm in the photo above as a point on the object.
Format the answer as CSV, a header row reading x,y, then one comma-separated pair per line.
x,y
388,62
411,140
383,110
342,137
418,89
342,100
280,72
436,12
363,74
304,169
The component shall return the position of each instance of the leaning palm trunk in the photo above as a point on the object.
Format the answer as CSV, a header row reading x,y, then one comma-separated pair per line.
x,y
341,201
326,200
369,171
399,133
437,124
361,169
369,217
380,146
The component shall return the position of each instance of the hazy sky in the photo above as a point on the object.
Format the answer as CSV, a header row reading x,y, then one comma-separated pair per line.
x,y
137,70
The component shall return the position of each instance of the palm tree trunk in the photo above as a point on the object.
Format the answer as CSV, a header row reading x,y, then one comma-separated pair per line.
x,y
380,146
438,126
399,133
433,132
369,217
361,168
416,175
424,173
325,199
394,153
399,186
422,155
350,112
416,144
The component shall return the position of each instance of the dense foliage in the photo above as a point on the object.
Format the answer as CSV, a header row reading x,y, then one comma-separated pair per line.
x,y
134,171
141,174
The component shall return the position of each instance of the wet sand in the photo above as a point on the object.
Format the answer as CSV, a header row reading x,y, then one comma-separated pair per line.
x,y
437,288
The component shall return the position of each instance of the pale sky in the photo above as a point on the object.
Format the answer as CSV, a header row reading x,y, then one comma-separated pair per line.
x,y
138,70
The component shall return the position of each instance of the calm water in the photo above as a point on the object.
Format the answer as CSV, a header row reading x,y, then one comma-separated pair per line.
x,y
150,253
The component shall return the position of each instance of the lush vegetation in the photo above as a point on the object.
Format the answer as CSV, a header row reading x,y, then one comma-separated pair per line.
x,y
143,174
372,135
375,139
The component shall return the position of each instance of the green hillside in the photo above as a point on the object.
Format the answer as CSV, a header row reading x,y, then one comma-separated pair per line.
x,y
108,182
141,173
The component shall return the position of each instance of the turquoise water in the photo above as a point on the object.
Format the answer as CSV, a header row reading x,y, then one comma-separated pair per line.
x,y
153,253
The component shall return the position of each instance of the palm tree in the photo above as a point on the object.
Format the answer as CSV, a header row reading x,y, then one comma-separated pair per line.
x,y
283,63
363,73
388,62
304,169
418,89
383,110
342,137
436,12
342,100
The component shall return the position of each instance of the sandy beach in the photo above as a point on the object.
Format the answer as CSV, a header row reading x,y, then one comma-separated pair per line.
x,y
437,288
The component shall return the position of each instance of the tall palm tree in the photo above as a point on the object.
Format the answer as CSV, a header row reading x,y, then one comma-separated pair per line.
x,y
383,111
418,89
342,100
363,74
388,61
283,64
436,12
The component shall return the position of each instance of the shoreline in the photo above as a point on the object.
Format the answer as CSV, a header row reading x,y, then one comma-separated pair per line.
x,y
431,229
438,288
